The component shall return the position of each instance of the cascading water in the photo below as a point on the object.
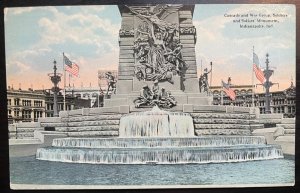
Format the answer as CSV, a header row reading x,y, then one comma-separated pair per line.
x,y
156,123
159,137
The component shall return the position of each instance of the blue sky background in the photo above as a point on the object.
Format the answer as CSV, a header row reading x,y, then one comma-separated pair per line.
x,y
35,36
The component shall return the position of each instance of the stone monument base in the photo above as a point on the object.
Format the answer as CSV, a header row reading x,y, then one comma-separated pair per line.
x,y
130,90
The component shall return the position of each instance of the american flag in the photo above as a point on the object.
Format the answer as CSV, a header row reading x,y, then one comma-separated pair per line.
x,y
229,91
258,72
71,67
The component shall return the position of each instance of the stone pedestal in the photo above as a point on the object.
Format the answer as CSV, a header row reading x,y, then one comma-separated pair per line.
x,y
185,87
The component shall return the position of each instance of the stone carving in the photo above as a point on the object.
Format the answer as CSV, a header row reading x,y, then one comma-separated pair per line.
x,y
157,48
203,81
111,83
155,96
188,30
126,33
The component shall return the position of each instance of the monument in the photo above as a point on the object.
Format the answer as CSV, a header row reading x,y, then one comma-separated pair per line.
x,y
157,67
157,43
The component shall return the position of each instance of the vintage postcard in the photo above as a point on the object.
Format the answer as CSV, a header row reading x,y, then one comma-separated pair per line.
x,y
151,96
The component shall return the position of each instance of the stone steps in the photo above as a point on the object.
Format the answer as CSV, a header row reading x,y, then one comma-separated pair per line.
x,y
94,134
223,115
24,135
221,126
88,128
223,121
244,132
92,118
93,123
86,123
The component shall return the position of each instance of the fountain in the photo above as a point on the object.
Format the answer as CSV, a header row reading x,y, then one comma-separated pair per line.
x,y
156,123
159,137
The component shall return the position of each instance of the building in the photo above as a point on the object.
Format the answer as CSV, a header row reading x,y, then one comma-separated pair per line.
x,y
49,102
25,105
281,101
86,93
29,105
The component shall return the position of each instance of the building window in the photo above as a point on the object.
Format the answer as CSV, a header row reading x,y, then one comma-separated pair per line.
x,y
38,103
16,112
26,102
26,114
17,102
9,102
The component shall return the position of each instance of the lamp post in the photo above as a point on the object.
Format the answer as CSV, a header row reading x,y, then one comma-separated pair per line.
x,y
268,84
55,79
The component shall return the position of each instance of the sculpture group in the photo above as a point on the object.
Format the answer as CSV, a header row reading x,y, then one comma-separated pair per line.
x,y
157,47
154,96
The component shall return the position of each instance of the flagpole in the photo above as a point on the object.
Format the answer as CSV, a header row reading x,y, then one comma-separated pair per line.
x,y
252,78
222,102
210,77
64,82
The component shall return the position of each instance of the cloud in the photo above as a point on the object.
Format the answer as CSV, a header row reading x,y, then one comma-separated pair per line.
x,y
231,53
19,10
88,38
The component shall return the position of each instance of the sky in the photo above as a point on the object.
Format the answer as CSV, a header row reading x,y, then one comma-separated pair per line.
x,y
88,35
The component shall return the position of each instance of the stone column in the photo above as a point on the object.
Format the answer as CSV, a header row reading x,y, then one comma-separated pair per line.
x,y
188,37
126,57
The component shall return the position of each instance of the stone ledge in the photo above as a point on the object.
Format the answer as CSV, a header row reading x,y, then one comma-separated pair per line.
x,y
288,138
220,121
221,115
93,133
270,116
289,131
50,119
221,126
93,118
28,129
93,123
208,108
269,121
222,132
270,133
53,124
88,128
29,124
287,144
24,141
287,126
256,126
114,109
288,121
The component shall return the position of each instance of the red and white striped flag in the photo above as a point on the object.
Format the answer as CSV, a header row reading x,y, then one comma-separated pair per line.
x,y
71,66
258,72
229,91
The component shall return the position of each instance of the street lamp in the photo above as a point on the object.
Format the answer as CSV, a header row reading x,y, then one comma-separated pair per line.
x,y
55,79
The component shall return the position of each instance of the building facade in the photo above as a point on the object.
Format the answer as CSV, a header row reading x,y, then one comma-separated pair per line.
x,y
49,103
25,105
87,93
283,102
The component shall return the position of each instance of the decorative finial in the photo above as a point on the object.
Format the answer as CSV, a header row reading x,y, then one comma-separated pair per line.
x,y
267,55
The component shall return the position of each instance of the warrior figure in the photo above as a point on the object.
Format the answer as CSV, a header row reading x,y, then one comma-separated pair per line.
x,y
111,82
145,98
